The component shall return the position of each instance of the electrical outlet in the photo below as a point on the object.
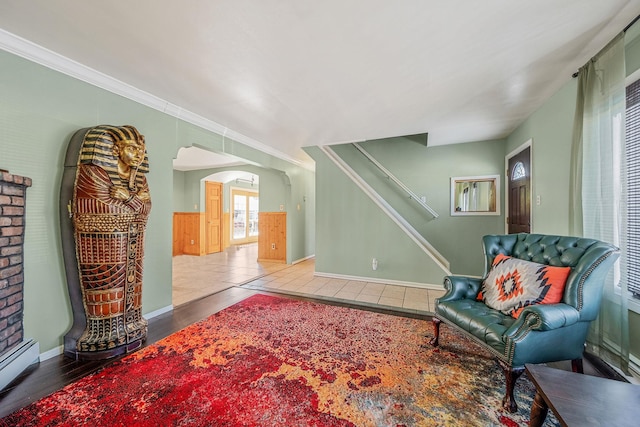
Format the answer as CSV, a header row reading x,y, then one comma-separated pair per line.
x,y
273,246
538,200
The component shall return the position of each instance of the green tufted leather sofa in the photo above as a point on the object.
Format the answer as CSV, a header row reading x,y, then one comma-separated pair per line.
x,y
542,333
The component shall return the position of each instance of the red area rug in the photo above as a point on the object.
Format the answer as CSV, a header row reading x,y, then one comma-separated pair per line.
x,y
270,361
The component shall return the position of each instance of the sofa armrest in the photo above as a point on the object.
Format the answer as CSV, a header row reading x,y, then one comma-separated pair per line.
x,y
544,317
461,287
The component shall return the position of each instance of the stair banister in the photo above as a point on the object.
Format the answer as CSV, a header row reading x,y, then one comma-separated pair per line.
x,y
399,183
407,228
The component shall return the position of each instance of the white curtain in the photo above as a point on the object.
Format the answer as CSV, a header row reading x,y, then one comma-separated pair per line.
x,y
599,188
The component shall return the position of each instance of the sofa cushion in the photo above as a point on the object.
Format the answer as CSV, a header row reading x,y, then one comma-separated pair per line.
x,y
476,318
513,284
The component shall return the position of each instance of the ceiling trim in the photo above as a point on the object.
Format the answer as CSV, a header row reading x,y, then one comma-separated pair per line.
x,y
35,53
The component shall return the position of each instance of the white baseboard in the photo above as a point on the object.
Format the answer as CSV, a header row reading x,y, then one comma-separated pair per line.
x,y
158,312
54,352
383,281
303,259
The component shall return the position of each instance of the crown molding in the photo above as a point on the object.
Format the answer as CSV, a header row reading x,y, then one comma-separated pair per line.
x,y
40,55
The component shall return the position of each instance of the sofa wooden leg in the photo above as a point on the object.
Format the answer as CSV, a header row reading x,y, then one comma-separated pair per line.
x,y
436,331
511,375
576,366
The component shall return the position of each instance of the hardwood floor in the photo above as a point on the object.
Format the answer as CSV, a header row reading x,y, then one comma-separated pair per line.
x,y
51,375
46,377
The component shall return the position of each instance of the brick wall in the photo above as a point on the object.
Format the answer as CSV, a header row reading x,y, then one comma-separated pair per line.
x,y
12,205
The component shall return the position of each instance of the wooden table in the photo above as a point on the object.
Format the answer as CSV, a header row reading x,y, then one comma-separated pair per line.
x,y
582,400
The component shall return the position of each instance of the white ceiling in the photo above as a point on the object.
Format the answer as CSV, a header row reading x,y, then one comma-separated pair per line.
x,y
192,158
294,73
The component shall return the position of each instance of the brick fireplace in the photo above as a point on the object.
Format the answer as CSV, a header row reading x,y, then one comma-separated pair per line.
x,y
16,353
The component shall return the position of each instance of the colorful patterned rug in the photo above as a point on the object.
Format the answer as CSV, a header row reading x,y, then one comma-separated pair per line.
x,y
271,361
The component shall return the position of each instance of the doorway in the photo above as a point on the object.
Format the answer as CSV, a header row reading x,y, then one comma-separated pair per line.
x,y
245,216
204,260
519,190
213,216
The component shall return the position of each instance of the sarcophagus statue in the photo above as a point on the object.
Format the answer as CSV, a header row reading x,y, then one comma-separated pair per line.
x,y
104,206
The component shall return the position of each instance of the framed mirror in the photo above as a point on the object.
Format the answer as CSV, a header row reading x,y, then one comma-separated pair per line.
x,y
475,195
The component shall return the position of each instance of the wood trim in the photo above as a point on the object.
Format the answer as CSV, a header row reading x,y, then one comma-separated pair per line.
x,y
188,233
272,236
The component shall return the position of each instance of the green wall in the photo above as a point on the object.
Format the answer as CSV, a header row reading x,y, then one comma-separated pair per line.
x,y
179,204
293,189
40,109
345,227
427,171
274,187
550,128
351,230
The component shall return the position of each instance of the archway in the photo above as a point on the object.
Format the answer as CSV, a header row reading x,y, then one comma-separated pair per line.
x,y
197,272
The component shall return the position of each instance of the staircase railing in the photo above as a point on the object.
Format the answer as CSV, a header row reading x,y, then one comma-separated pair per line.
x,y
407,228
395,180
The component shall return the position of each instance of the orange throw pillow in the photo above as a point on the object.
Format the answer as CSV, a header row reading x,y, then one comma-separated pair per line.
x,y
513,283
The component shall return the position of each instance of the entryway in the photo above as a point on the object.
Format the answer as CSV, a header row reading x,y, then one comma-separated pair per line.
x,y
518,192
215,248
198,276
217,211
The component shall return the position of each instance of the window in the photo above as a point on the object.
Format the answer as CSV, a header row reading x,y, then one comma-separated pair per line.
x,y
518,172
245,216
632,150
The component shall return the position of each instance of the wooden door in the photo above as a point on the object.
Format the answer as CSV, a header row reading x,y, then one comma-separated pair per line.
x,y
213,217
519,188
188,236
272,238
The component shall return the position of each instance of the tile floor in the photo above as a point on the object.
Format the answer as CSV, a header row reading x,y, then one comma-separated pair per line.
x,y
195,277
198,276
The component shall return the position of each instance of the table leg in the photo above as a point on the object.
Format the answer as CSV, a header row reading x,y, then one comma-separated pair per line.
x,y
539,411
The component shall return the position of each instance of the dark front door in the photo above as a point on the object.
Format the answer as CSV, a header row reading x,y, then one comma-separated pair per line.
x,y
519,187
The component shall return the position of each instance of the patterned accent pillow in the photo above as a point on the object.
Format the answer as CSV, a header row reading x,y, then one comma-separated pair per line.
x,y
513,283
